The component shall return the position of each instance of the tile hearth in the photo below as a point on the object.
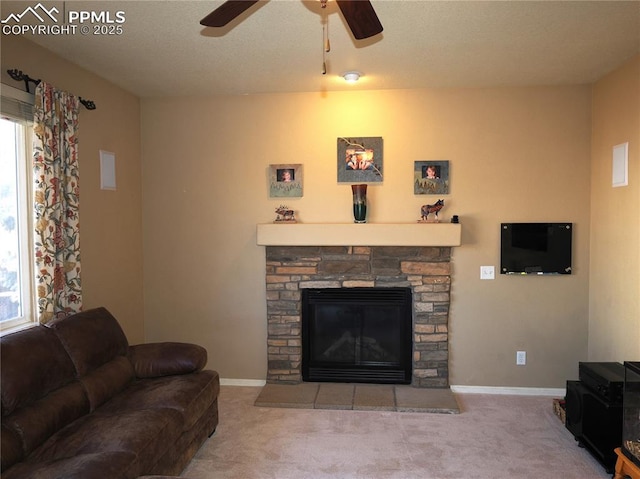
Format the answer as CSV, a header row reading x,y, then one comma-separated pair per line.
x,y
363,397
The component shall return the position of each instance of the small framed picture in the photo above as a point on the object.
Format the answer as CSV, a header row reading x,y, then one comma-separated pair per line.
x,y
360,160
285,181
431,177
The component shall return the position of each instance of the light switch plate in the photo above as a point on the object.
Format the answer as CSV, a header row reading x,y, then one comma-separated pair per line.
x,y
487,272
521,358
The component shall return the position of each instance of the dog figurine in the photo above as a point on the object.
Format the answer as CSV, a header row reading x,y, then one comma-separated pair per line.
x,y
426,210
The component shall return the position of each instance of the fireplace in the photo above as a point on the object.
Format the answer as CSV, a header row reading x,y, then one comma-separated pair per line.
x,y
357,335
424,270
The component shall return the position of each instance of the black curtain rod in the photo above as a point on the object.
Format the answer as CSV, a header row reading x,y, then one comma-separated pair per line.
x,y
17,75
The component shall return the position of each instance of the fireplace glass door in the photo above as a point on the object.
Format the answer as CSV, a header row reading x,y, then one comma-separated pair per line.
x,y
357,335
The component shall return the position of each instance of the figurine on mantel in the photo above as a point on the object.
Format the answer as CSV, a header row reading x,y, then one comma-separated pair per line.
x,y
426,210
284,215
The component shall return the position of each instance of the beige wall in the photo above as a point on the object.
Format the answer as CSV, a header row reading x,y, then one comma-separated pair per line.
x,y
614,305
519,154
110,222
524,154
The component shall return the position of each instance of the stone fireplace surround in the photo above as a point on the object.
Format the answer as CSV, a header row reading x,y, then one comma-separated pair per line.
x,y
421,261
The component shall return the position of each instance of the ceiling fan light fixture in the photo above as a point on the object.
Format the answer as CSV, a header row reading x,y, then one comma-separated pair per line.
x,y
352,77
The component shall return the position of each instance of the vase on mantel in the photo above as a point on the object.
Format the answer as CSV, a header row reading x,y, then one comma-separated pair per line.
x,y
359,203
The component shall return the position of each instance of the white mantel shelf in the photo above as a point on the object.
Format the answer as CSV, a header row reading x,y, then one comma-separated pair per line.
x,y
364,234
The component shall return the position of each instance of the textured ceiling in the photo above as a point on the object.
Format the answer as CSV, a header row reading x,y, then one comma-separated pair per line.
x,y
276,46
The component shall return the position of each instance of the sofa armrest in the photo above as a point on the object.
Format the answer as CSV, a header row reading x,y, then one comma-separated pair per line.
x,y
165,359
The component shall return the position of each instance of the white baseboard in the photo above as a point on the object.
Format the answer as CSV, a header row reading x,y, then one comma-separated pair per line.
x,y
515,391
242,382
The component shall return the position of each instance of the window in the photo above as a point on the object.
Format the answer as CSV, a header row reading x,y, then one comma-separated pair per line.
x,y
17,296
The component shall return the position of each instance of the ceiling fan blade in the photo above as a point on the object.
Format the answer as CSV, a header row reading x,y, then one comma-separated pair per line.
x,y
361,18
226,12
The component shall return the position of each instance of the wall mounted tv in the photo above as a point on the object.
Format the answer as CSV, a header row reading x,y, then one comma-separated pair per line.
x,y
535,248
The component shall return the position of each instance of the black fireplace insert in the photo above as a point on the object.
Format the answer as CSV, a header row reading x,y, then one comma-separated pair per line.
x,y
359,335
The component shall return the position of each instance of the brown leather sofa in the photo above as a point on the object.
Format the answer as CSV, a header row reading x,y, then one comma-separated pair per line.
x,y
79,403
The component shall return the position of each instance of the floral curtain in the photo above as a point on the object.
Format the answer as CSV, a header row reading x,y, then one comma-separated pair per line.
x,y
55,168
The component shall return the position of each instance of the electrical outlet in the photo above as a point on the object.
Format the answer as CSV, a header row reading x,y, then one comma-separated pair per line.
x,y
487,272
521,358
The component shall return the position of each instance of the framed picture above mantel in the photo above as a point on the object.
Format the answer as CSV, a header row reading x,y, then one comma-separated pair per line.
x,y
360,160
285,181
431,177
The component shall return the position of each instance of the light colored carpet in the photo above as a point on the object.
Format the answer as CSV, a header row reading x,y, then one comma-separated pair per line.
x,y
493,437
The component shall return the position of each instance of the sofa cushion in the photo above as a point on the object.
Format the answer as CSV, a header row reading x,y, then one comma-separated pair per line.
x,y
91,338
176,459
100,465
190,395
164,359
108,380
161,477
146,433
11,447
25,378
37,421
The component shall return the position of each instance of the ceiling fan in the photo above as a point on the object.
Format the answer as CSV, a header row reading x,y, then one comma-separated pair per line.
x,y
359,15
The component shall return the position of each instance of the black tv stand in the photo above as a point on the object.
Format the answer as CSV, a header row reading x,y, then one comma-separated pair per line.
x,y
594,410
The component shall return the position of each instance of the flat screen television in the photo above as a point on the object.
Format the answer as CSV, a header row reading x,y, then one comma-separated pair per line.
x,y
535,248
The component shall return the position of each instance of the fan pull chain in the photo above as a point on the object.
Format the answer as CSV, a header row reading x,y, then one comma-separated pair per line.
x,y
326,46
324,49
